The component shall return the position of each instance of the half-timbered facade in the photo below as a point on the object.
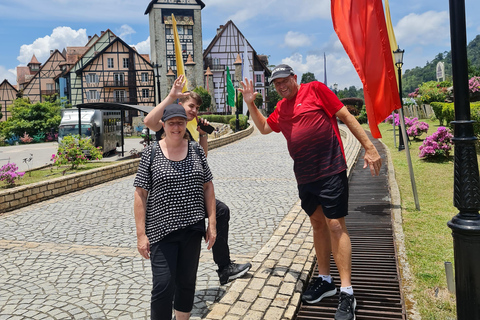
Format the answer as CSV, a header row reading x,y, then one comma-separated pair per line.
x,y
116,74
8,93
42,82
222,52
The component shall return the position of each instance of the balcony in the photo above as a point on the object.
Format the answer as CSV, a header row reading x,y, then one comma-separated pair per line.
x,y
48,92
117,84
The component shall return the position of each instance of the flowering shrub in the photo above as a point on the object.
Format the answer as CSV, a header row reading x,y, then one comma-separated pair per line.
x,y
474,84
26,138
9,173
390,119
74,151
51,137
438,144
417,128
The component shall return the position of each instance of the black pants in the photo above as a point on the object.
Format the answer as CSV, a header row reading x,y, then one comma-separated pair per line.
x,y
220,250
174,269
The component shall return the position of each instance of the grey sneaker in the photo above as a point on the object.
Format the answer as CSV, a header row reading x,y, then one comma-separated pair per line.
x,y
233,271
346,307
318,290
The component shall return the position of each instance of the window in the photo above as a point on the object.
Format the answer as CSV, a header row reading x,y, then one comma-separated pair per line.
x,y
258,77
120,95
92,95
118,79
110,63
125,63
145,93
189,30
92,78
50,86
144,77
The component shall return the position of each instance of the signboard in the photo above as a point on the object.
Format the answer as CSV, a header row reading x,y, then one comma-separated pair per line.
x,y
440,71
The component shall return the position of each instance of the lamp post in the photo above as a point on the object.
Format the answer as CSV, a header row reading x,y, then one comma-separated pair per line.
x,y
157,76
398,55
335,88
466,195
237,121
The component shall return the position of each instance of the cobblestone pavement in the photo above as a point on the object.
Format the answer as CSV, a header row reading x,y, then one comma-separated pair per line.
x,y
74,257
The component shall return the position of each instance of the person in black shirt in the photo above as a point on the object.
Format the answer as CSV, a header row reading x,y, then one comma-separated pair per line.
x,y
228,270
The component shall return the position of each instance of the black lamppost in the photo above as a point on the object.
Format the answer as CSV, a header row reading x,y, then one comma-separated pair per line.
x,y
466,195
237,121
335,88
157,75
398,55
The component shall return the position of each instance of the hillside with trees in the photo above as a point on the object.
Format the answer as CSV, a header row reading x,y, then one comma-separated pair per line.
x,y
413,78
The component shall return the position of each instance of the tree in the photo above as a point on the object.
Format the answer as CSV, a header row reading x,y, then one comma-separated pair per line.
x,y
206,98
308,77
273,97
33,119
258,100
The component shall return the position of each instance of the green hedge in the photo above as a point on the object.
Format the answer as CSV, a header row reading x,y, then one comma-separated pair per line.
x,y
445,113
218,118
242,122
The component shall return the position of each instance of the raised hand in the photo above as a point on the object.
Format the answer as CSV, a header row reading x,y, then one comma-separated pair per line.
x,y
248,91
176,91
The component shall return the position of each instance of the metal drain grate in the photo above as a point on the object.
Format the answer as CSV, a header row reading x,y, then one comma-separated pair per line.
x,y
375,276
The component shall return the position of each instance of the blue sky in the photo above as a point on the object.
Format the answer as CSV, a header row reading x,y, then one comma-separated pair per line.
x,y
295,32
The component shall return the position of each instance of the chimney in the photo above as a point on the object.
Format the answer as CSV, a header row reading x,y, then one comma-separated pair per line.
x,y
89,38
51,51
219,29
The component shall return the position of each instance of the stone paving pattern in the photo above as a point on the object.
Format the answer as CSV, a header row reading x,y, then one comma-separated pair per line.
x,y
75,257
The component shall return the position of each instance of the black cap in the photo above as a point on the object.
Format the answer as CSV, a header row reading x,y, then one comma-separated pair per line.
x,y
173,110
281,71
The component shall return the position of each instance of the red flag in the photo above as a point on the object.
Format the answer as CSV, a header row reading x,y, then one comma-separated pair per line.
x,y
360,26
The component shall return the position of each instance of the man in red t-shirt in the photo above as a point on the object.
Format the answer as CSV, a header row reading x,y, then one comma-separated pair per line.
x,y
307,117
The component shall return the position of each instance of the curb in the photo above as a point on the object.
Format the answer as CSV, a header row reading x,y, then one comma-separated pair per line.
x,y
22,196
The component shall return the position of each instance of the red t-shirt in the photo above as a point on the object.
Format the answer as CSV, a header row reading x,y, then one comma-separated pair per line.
x,y
309,124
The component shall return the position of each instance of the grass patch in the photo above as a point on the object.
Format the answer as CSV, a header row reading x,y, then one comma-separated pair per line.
x,y
428,239
51,173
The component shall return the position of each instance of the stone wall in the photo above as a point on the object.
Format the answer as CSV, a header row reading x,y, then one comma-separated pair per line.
x,y
22,196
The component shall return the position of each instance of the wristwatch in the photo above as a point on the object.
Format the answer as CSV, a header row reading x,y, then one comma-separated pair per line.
x,y
203,135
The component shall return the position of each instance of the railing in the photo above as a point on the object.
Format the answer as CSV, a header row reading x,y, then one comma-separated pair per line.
x,y
115,84
48,92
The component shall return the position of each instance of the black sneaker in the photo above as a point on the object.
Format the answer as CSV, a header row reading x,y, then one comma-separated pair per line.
x,y
233,271
318,290
346,307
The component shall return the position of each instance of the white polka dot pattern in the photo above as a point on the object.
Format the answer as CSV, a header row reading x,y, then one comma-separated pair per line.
x,y
176,197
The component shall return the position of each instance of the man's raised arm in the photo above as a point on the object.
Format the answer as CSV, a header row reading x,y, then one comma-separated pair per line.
x,y
249,97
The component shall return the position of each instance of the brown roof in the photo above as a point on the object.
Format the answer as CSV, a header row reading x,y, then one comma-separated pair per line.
x,y
34,60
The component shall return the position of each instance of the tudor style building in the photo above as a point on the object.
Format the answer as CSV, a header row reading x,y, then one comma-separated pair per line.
x,y
8,93
228,49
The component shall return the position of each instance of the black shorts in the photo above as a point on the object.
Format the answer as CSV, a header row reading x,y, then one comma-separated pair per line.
x,y
331,193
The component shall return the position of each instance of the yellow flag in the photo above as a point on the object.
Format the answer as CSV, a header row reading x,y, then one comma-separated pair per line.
x,y
391,33
178,53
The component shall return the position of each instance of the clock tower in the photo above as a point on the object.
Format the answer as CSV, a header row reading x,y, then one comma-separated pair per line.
x,y
162,51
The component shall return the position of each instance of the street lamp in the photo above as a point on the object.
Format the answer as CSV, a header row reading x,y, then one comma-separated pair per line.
x,y
466,195
236,83
335,88
398,55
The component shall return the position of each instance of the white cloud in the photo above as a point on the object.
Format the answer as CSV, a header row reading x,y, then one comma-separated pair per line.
x,y
339,68
10,75
429,28
124,31
296,39
60,38
143,47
